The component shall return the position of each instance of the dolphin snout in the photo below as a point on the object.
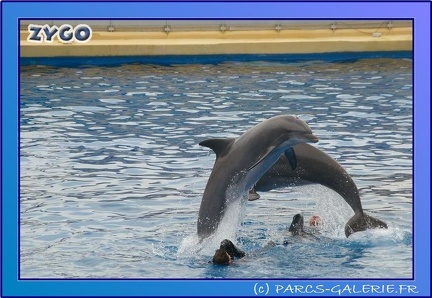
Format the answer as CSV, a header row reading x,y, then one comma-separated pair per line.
x,y
301,127
313,138
308,137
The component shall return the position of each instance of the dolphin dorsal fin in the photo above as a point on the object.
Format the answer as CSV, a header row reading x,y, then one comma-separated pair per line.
x,y
218,145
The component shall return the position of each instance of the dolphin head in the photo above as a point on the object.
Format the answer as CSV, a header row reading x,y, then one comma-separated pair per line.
x,y
231,249
221,257
296,227
227,252
297,130
268,140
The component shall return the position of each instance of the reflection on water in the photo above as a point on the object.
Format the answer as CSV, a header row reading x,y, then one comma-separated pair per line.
x,y
111,173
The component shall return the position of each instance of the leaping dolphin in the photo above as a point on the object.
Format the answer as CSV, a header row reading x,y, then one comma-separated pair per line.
x,y
240,162
313,165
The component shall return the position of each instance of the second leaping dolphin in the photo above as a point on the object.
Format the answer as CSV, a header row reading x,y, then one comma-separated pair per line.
x,y
309,163
240,162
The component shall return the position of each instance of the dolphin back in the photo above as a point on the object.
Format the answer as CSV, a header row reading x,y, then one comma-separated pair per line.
x,y
362,222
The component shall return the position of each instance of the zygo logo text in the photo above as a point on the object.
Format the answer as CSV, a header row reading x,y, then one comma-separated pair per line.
x,y
65,33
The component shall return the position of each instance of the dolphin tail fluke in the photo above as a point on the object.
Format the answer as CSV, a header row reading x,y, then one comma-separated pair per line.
x,y
362,222
374,223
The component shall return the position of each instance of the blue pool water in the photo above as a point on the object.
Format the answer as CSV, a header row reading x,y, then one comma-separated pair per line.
x,y
111,173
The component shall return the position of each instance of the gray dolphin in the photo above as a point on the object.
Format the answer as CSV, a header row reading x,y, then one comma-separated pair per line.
x,y
240,162
311,164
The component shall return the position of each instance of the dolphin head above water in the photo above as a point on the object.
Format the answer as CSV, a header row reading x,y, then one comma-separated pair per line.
x,y
241,162
279,129
297,225
278,135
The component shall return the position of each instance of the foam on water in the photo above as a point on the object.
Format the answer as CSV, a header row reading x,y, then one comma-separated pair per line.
x,y
227,229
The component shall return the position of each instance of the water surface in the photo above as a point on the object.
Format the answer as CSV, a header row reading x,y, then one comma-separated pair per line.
x,y
111,173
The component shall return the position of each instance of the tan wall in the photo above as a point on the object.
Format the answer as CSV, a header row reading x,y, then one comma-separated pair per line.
x,y
105,43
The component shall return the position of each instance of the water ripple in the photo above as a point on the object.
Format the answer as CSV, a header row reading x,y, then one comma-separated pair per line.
x,y
111,173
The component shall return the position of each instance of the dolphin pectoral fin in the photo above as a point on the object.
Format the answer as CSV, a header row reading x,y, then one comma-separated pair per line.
x,y
262,157
218,145
362,222
291,156
253,196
